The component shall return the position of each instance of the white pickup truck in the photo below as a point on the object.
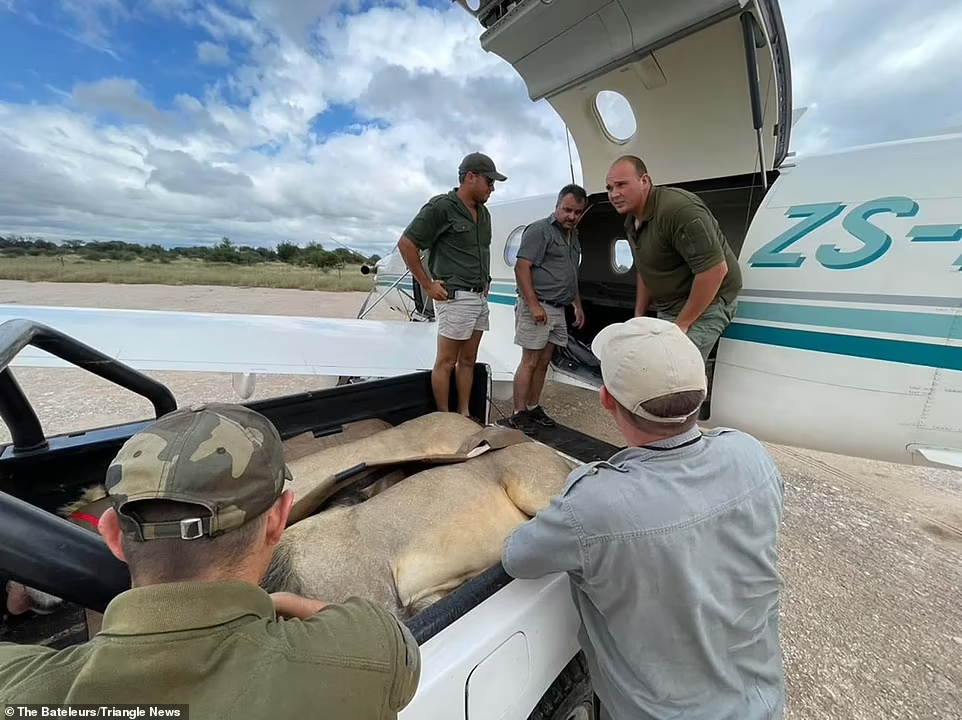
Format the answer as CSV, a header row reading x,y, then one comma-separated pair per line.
x,y
495,648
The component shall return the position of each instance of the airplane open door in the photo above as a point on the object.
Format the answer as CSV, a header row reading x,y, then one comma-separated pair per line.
x,y
707,81
699,89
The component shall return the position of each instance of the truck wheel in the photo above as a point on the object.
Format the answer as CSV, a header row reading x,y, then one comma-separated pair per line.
x,y
570,696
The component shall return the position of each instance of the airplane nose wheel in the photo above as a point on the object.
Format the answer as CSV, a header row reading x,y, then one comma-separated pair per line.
x,y
351,379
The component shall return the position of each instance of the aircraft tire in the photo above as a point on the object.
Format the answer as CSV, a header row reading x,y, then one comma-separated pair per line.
x,y
570,696
351,379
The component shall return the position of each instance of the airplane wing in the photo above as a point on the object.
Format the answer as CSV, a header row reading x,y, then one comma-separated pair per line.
x,y
234,343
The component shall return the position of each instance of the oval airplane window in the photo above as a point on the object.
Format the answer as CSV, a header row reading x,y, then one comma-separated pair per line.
x,y
621,259
616,116
512,244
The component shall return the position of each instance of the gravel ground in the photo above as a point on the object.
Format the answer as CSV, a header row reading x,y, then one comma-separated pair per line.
x,y
871,552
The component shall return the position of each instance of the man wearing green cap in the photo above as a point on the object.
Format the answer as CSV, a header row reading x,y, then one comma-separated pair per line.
x,y
455,229
198,505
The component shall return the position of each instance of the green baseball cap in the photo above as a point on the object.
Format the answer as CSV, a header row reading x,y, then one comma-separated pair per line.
x,y
482,165
227,459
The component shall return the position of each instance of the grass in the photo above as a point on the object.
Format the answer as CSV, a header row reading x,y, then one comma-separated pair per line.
x,y
183,272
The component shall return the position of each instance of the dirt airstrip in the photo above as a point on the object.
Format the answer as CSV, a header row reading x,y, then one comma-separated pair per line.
x,y
871,553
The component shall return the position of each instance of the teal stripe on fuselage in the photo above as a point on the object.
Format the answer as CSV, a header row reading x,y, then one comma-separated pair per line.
x,y
898,322
900,351
386,281
939,326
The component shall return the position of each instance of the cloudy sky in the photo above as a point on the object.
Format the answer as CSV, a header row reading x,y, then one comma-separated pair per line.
x,y
179,121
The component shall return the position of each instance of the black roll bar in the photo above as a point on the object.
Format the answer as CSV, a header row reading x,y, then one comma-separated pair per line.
x,y
25,429
59,558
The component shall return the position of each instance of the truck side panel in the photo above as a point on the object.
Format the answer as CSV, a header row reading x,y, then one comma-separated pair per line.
x,y
470,669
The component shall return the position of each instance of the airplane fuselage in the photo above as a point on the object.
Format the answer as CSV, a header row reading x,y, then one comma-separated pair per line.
x,y
848,333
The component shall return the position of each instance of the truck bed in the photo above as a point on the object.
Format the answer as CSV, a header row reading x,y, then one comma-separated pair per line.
x,y
574,443
39,474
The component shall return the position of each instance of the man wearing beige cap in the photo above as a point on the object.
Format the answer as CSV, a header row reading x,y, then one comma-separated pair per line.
x,y
199,503
455,230
670,545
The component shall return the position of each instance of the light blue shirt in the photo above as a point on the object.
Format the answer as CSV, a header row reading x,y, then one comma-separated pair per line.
x,y
671,554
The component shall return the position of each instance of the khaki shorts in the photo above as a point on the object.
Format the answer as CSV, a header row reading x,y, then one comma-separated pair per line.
x,y
706,330
461,315
532,335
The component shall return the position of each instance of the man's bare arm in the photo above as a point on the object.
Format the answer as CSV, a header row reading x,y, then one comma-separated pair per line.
x,y
579,311
522,273
703,290
642,297
411,257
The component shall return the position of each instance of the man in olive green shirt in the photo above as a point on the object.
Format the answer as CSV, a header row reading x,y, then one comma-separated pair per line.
x,y
455,229
685,266
199,503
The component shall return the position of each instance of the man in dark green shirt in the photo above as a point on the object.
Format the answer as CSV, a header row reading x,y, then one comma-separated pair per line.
x,y
455,229
199,503
685,266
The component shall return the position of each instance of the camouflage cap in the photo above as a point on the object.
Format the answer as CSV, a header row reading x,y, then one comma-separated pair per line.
x,y
482,165
222,457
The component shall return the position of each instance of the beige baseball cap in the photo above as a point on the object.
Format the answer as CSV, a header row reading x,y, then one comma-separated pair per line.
x,y
646,358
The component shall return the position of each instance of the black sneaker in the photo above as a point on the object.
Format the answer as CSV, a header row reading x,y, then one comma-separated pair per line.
x,y
521,420
538,415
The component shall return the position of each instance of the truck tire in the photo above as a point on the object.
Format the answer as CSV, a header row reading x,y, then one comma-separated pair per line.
x,y
570,696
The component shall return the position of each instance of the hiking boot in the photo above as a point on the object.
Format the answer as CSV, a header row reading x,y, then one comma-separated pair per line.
x,y
538,415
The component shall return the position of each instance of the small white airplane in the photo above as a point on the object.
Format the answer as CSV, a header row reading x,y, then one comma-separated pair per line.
x,y
848,335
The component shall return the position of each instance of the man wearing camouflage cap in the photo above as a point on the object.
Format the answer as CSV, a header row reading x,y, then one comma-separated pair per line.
x,y
199,503
670,545
455,229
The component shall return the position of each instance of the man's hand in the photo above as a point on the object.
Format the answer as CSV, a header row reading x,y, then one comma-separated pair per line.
x,y
579,317
703,293
540,316
295,606
437,290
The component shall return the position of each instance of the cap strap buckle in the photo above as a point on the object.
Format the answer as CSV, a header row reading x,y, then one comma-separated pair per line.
x,y
191,528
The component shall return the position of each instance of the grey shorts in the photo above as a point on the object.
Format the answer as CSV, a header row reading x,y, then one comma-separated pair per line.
x,y
461,315
706,330
535,336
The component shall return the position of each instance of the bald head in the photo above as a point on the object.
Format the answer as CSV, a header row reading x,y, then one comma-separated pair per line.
x,y
628,185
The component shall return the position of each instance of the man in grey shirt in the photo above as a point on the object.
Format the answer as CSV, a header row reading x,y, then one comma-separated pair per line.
x,y
670,545
546,271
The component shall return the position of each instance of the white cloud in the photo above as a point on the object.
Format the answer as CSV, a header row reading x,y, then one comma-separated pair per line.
x,y
253,156
210,53
93,19
873,70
